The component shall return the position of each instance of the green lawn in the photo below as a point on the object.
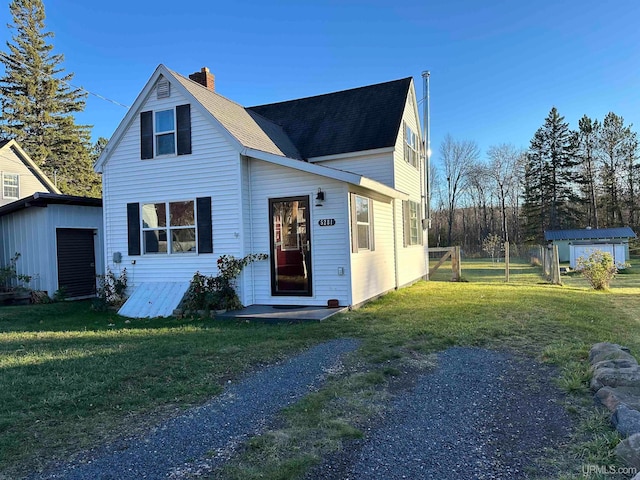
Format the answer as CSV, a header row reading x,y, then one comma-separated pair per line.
x,y
71,378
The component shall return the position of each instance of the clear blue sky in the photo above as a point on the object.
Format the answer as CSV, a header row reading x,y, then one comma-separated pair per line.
x,y
497,67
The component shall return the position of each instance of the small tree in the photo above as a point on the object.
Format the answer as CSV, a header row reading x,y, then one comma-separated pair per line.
x,y
598,268
492,244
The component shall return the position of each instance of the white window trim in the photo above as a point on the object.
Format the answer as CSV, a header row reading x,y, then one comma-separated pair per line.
x,y
415,205
368,223
411,155
410,222
168,227
156,134
4,185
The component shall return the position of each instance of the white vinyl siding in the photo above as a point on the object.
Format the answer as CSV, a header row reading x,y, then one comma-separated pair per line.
x,y
378,166
373,271
32,233
408,179
212,170
329,244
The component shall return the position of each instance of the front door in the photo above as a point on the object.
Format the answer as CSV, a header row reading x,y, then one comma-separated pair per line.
x,y
290,246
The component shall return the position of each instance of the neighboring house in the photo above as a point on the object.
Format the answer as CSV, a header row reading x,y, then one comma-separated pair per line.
x,y
59,238
573,244
19,175
331,187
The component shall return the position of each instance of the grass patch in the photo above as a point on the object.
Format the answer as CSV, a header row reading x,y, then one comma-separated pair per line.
x,y
71,378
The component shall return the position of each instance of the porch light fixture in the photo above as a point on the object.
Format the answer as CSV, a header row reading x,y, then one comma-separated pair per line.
x,y
319,198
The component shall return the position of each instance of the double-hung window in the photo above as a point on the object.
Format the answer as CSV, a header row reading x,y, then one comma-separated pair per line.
x,y
169,227
165,132
410,146
10,185
412,230
361,223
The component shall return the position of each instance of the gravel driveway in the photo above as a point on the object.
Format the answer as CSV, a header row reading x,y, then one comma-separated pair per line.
x,y
480,415
181,445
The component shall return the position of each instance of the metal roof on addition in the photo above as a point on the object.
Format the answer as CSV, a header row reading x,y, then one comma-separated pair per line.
x,y
589,233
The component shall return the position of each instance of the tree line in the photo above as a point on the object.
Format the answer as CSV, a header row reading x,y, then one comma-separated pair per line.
x,y
39,104
567,178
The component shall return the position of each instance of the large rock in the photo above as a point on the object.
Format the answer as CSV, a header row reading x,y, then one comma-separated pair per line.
x,y
626,420
628,451
615,377
615,363
611,397
608,351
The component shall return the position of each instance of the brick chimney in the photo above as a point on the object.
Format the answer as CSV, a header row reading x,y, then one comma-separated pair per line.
x,y
205,78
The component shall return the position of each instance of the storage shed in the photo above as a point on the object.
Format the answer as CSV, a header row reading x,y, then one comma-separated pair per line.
x,y
576,243
60,241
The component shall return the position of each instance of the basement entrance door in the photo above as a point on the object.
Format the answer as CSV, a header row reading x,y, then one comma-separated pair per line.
x,y
290,246
76,261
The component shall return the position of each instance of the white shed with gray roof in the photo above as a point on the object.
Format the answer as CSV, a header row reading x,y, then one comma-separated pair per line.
x,y
575,243
60,241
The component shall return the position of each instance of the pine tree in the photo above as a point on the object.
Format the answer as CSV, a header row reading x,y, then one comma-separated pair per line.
x,y
618,155
38,104
550,201
588,131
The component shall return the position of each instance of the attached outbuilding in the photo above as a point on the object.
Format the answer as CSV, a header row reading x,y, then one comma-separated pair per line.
x,y
60,241
576,243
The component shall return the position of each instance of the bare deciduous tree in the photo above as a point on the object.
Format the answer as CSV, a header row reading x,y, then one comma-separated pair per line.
x,y
502,168
458,160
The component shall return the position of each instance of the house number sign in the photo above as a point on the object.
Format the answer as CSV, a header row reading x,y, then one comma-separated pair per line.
x,y
327,222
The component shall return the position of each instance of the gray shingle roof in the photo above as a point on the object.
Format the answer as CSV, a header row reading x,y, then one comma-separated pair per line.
x,y
589,233
364,118
249,128
358,119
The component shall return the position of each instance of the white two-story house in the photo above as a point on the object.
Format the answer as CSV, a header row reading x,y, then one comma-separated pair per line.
x,y
331,187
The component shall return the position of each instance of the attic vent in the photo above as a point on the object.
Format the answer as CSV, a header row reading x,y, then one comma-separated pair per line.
x,y
164,88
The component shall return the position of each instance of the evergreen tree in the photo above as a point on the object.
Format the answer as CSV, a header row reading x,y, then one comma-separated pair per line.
x,y
550,198
618,155
38,104
588,134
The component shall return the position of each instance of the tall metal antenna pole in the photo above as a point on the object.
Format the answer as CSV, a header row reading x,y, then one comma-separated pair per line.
x,y
427,166
427,144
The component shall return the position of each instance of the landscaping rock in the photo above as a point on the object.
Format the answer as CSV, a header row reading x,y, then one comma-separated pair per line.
x,y
616,363
611,397
608,351
628,451
626,420
615,377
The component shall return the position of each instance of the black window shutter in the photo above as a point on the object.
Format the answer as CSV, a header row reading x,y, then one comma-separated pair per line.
x,y
133,228
183,122
205,230
146,135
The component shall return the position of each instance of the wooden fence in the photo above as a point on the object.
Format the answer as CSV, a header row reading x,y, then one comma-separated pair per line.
x,y
448,252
